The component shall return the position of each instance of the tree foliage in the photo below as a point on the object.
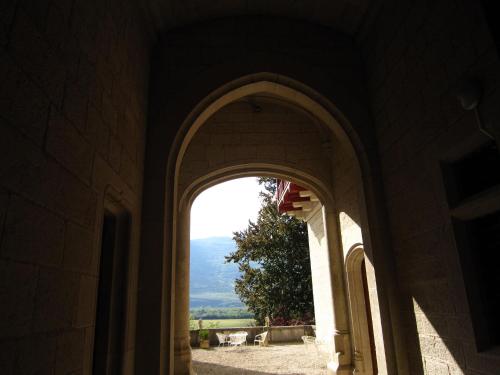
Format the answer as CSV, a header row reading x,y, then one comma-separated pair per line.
x,y
273,257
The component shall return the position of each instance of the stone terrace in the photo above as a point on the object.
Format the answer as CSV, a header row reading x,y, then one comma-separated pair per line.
x,y
292,359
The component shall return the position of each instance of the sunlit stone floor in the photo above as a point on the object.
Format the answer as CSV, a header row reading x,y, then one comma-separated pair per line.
x,y
292,359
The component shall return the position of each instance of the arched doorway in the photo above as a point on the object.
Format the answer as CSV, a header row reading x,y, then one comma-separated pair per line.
x,y
231,138
365,360
333,153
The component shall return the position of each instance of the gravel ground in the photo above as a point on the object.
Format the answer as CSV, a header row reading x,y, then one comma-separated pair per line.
x,y
291,359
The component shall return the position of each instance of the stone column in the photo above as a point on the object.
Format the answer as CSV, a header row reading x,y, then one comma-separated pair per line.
x,y
182,348
341,358
321,276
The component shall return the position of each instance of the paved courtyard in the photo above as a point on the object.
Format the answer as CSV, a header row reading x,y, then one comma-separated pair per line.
x,y
291,359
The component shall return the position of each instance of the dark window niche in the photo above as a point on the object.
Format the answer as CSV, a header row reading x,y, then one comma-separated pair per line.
x,y
478,242
491,15
476,172
111,298
472,185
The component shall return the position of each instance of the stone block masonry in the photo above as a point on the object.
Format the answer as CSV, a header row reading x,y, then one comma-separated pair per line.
x,y
412,67
73,78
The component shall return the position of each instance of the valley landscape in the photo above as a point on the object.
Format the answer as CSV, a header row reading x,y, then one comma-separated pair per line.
x,y
211,288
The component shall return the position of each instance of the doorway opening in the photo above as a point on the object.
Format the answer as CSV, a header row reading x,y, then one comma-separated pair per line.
x,y
276,282
365,359
109,339
296,135
216,214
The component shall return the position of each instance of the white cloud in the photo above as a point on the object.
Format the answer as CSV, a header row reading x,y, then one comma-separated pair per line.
x,y
225,208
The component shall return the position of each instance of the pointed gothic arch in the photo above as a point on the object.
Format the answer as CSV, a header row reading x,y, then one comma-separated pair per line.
x,y
180,191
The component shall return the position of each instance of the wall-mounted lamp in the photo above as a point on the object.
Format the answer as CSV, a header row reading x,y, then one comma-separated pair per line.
x,y
469,92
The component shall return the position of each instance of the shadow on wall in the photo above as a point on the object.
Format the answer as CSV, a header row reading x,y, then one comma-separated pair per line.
x,y
439,334
211,368
433,348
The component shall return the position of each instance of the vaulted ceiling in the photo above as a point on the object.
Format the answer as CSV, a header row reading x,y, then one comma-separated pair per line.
x,y
343,15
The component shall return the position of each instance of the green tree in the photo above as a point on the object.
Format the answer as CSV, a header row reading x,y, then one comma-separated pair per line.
x,y
273,257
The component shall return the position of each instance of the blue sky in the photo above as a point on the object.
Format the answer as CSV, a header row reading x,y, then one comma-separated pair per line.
x,y
225,208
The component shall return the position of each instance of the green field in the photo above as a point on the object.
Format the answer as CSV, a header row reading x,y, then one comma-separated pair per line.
x,y
223,323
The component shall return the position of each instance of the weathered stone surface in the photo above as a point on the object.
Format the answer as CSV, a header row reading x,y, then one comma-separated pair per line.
x,y
447,351
4,200
128,171
75,105
98,132
21,163
71,196
478,362
69,356
22,104
35,355
57,25
126,131
28,172
78,247
436,367
32,233
68,146
87,298
235,135
67,54
36,11
431,325
32,52
110,114
29,355
7,357
419,122
115,154
104,177
17,297
87,350
53,53
459,327
6,16
56,297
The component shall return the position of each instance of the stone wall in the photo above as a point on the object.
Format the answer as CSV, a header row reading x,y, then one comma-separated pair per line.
x,y
237,135
415,53
73,78
74,95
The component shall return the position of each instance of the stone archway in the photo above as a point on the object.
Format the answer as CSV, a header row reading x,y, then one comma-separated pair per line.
x,y
339,336
345,161
359,305
193,173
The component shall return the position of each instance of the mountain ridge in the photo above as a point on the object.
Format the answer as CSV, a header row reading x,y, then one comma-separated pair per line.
x,y
211,279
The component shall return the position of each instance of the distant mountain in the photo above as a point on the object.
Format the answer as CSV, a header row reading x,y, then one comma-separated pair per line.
x,y
212,280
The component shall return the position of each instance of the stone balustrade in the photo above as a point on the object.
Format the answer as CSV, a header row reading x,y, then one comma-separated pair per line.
x,y
277,334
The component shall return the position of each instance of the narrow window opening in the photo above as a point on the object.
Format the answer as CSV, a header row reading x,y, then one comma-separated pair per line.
x,y
472,174
482,244
476,226
111,298
490,12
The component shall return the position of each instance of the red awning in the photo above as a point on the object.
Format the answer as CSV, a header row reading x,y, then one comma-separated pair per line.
x,y
287,193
